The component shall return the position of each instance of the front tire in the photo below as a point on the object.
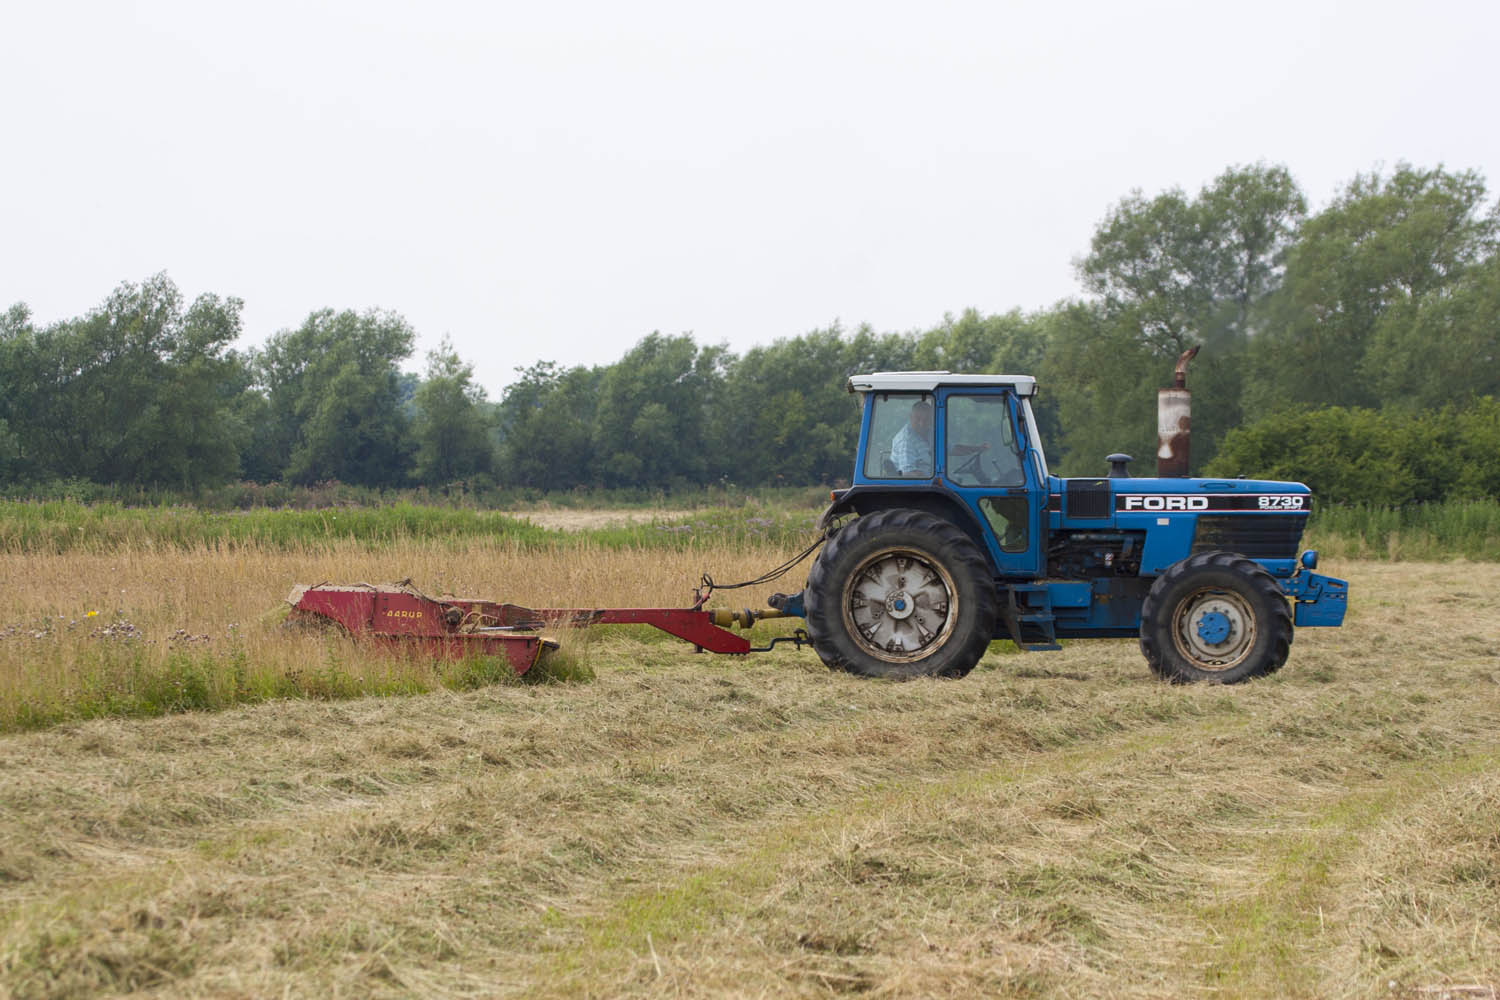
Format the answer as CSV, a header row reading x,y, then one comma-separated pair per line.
x,y
901,594
1217,617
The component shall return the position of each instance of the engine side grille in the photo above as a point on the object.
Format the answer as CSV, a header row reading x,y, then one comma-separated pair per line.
x,y
1259,536
1088,498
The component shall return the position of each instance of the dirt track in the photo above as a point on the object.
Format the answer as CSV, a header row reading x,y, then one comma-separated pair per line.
x,y
580,520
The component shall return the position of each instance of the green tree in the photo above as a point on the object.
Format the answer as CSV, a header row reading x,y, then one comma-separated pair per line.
x,y
1149,261
649,425
780,421
140,390
333,391
452,426
1477,428
1172,272
1002,343
1186,269
546,423
16,337
1252,216
1428,352
1376,254
1104,385
786,416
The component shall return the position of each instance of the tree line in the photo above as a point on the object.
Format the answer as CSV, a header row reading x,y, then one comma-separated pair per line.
x,y
1384,304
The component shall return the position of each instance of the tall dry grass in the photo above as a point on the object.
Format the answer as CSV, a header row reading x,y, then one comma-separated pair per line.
x,y
147,630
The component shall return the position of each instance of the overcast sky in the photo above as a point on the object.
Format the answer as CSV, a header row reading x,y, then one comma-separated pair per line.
x,y
556,180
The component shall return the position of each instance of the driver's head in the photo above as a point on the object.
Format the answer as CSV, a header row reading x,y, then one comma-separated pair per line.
x,y
921,417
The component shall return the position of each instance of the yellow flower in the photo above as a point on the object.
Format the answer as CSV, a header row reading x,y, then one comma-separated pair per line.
x,y
91,614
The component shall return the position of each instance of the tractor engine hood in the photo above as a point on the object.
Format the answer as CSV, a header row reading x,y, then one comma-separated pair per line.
x,y
1261,519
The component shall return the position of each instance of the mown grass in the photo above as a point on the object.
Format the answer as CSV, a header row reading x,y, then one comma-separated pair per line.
x,y
699,826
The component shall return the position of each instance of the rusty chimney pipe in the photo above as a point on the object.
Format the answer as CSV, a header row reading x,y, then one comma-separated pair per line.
x,y
1174,419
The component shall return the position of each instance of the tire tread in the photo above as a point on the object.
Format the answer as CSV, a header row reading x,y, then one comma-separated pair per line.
x,y
965,562
1265,588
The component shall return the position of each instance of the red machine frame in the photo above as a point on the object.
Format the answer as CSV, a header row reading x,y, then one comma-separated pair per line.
x,y
454,627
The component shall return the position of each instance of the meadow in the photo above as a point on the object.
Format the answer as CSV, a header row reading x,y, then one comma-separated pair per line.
x,y
641,820
1467,528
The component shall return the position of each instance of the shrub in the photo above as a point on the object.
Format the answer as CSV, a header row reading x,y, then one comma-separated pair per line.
x,y
1384,457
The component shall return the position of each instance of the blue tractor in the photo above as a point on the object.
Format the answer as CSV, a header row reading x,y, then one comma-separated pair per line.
x,y
954,534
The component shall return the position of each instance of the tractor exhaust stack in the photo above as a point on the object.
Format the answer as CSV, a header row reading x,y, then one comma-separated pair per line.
x,y
1174,419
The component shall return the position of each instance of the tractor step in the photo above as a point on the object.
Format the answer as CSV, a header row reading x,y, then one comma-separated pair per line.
x,y
1036,618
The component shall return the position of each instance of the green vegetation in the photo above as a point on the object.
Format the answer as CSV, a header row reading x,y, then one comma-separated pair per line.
x,y
63,526
69,526
1390,457
1467,528
128,679
1384,302
464,495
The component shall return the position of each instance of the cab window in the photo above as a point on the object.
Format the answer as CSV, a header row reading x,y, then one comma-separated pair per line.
x,y
900,445
980,442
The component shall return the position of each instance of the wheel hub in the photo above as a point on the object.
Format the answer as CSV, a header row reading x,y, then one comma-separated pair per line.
x,y
900,604
1215,629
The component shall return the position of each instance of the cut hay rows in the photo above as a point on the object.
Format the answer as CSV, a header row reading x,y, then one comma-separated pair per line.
x,y
1053,825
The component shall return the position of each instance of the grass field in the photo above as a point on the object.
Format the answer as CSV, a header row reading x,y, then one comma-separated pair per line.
x,y
1459,528
671,824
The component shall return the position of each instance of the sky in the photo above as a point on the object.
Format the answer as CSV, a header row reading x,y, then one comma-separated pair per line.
x,y
555,181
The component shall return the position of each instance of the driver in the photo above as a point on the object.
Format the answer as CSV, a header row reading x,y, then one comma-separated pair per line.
x,y
911,448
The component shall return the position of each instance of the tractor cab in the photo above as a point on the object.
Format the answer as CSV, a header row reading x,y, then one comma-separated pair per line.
x,y
963,446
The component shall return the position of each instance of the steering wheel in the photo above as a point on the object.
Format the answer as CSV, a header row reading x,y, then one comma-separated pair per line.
x,y
975,466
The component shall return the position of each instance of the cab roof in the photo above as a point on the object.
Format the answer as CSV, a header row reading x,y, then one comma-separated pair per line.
x,y
1023,385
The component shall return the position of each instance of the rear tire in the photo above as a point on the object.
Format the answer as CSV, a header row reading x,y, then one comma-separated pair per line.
x,y
1216,617
901,594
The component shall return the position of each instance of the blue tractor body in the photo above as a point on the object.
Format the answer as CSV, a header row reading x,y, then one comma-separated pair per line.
x,y
1062,557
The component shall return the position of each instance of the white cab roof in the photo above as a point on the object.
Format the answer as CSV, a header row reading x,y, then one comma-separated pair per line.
x,y
1024,385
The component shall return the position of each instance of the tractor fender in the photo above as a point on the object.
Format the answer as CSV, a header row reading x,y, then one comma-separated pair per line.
x,y
932,499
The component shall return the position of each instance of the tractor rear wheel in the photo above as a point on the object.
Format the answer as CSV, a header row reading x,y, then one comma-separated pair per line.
x,y
1216,617
901,594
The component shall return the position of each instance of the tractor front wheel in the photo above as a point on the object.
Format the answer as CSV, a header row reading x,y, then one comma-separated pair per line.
x,y
1216,617
901,594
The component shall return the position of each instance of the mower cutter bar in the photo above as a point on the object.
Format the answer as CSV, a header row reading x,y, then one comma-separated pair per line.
x,y
454,627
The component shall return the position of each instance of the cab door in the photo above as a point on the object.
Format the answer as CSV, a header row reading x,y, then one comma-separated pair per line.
x,y
986,462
